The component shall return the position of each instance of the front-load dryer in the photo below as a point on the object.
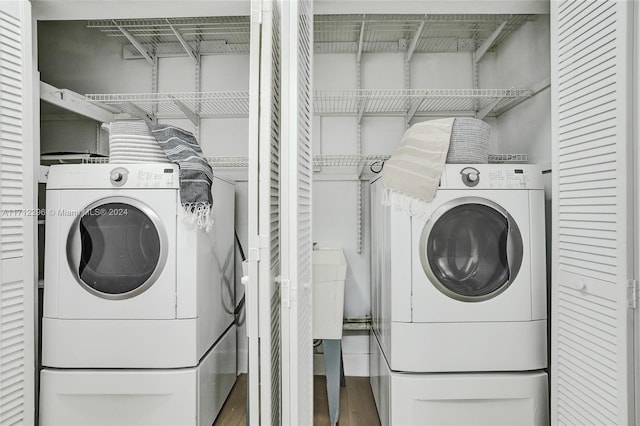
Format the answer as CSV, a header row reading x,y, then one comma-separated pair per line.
x,y
463,288
129,282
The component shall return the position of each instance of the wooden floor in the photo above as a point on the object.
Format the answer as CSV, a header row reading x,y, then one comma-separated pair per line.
x,y
234,411
356,404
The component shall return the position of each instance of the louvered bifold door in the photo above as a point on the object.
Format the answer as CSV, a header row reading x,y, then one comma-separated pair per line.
x,y
270,214
297,344
17,221
591,374
264,216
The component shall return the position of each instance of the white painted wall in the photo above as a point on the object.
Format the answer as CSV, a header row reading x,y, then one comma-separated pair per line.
x,y
527,127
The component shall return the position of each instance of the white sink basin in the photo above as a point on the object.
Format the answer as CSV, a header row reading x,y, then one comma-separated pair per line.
x,y
329,274
329,264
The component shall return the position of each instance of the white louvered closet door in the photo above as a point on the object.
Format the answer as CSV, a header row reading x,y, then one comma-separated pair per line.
x,y
17,242
264,221
591,365
297,344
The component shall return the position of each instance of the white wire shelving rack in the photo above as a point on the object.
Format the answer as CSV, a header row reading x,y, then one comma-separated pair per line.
x,y
359,102
426,33
508,158
369,33
144,38
228,161
413,33
415,102
321,161
393,33
190,105
348,160
352,164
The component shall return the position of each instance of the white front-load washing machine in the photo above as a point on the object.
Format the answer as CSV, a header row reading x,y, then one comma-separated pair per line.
x,y
138,324
129,283
463,288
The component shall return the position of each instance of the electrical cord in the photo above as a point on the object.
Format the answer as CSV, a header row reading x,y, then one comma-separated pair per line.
x,y
239,313
240,249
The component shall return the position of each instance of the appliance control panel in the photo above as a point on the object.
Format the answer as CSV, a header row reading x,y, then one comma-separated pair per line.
x,y
491,176
114,176
155,178
509,178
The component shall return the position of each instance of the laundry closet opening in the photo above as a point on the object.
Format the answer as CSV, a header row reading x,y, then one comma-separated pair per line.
x,y
188,72
373,76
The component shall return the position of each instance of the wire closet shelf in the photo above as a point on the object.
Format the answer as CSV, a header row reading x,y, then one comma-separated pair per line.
x,y
171,37
339,160
415,101
432,33
326,102
368,33
178,105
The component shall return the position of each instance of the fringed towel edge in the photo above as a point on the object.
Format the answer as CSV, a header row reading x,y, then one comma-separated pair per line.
x,y
198,214
409,205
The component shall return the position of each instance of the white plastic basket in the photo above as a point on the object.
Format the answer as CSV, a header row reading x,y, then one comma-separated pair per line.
x,y
469,141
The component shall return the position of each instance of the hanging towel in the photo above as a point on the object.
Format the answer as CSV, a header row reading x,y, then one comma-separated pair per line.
x,y
196,175
411,176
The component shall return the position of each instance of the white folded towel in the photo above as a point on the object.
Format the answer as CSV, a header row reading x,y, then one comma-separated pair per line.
x,y
411,176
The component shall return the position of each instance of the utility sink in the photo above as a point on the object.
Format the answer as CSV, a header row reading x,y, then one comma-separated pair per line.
x,y
329,274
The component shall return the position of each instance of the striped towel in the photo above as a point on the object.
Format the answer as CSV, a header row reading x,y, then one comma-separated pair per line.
x,y
131,142
196,175
411,176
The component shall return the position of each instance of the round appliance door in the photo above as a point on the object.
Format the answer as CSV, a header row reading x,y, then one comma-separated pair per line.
x,y
471,249
117,248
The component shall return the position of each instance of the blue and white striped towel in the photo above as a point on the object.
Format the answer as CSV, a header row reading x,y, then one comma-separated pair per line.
x,y
196,175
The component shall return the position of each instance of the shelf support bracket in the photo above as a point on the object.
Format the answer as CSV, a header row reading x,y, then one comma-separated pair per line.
x,y
361,41
184,43
488,42
74,102
414,41
186,111
413,109
487,109
135,42
535,89
140,113
363,105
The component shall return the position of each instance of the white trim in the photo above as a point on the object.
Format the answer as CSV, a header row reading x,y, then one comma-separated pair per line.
x,y
131,9
636,202
251,290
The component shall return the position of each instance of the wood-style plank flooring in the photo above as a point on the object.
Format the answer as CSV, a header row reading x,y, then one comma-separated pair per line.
x,y
234,410
356,404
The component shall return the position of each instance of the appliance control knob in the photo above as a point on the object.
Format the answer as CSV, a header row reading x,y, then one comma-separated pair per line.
x,y
470,176
119,176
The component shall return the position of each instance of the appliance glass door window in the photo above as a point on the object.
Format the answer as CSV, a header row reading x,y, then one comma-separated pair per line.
x,y
115,249
471,251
